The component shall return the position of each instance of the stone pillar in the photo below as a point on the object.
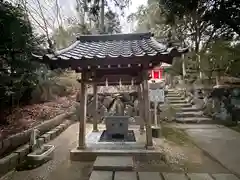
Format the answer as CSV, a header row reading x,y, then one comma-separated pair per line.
x,y
149,142
141,108
82,116
95,105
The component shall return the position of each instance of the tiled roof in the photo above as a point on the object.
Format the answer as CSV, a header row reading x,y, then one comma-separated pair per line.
x,y
112,46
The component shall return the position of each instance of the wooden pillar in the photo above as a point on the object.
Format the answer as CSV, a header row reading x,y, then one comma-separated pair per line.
x,y
82,116
149,142
95,105
141,108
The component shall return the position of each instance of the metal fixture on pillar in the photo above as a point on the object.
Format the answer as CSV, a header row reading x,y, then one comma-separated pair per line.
x,y
132,84
120,83
106,83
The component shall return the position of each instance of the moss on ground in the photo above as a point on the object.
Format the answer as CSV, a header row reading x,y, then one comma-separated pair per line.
x,y
235,128
175,135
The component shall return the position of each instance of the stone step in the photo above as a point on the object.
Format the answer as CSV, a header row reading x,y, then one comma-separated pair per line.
x,y
181,105
189,109
175,98
172,94
190,114
177,102
113,163
91,153
193,120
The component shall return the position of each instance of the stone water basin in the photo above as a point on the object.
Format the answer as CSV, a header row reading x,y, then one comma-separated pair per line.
x,y
41,154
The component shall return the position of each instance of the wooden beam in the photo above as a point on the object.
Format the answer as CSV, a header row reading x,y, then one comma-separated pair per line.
x,y
82,114
148,120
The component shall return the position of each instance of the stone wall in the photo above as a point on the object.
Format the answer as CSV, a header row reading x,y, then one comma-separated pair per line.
x,y
18,144
11,143
220,103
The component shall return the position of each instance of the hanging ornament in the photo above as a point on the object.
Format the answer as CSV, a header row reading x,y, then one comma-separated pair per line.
x,y
106,83
120,83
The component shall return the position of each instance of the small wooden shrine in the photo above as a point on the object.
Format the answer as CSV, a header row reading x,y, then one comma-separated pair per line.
x,y
124,58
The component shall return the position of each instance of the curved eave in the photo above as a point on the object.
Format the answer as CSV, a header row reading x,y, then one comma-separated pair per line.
x,y
73,63
173,52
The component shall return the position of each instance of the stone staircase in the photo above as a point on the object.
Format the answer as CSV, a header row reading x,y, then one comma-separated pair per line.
x,y
186,112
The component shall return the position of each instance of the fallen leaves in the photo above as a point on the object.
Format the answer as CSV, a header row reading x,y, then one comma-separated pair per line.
x,y
28,116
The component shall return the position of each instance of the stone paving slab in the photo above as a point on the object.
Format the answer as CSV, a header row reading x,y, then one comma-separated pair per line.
x,y
121,175
223,144
174,176
101,175
149,175
224,177
113,163
125,176
199,176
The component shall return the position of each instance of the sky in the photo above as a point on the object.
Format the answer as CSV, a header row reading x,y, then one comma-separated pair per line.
x,y
68,8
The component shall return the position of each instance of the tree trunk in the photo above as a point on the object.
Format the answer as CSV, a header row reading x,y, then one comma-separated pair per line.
x,y
102,17
183,66
217,79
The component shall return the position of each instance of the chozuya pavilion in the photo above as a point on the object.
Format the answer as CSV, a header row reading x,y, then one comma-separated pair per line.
x,y
112,58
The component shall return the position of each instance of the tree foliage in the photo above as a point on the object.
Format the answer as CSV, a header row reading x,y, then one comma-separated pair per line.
x,y
220,13
17,73
112,24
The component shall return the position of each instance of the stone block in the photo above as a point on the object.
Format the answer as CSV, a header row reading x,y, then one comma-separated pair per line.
x,y
82,155
46,137
120,175
52,134
101,175
19,139
174,176
41,141
4,162
8,163
225,177
6,143
148,175
5,146
57,131
117,125
199,176
63,126
50,124
113,163
22,152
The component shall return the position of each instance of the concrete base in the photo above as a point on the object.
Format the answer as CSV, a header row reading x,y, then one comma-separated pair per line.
x,y
91,154
156,131
96,148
